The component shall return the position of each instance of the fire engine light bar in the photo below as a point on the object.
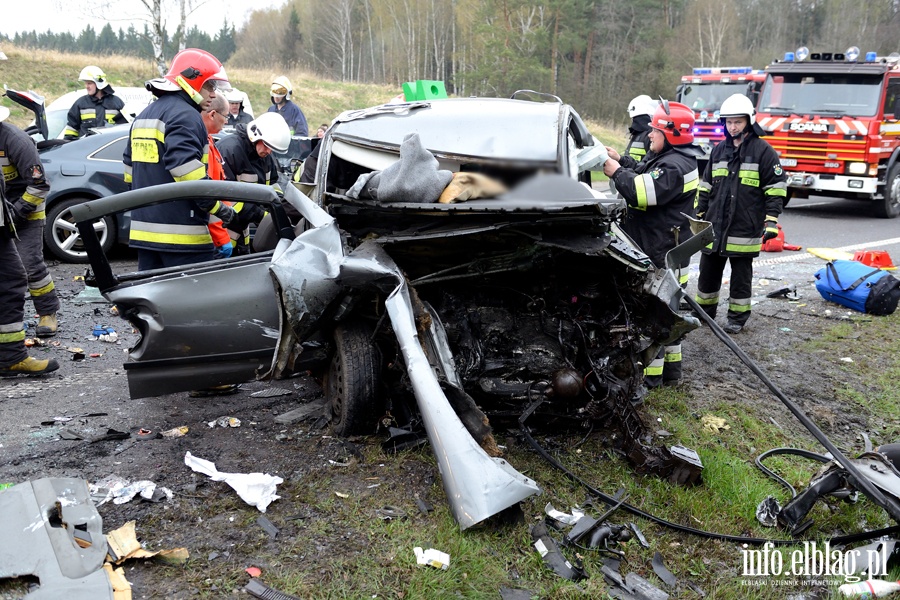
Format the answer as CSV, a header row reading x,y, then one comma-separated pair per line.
x,y
788,57
802,53
856,184
722,70
718,130
871,56
851,54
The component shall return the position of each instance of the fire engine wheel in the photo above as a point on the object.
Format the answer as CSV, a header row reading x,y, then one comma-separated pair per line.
x,y
353,381
889,206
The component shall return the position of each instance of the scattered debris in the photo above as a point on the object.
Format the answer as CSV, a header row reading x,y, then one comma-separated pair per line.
x,y
123,545
311,409
104,333
267,526
146,434
640,535
270,393
788,293
258,589
120,490
423,506
433,558
256,489
341,495
77,353
561,517
713,423
175,432
57,420
873,588
389,513
253,571
507,593
662,572
767,512
846,359
549,551
225,422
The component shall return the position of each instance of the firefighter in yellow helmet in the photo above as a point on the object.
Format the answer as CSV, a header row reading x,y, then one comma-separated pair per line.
x,y
98,108
281,93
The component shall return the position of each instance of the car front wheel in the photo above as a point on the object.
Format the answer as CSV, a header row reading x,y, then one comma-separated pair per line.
x,y
353,381
61,235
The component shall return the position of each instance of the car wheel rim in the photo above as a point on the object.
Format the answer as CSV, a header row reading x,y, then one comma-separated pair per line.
x,y
67,237
895,191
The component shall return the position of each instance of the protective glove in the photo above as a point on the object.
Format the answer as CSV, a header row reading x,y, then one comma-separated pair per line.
x,y
19,216
771,231
224,251
225,213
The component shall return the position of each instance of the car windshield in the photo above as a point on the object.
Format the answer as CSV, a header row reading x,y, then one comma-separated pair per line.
x,y
822,94
709,96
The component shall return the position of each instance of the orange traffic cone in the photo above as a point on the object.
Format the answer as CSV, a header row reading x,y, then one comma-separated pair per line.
x,y
874,258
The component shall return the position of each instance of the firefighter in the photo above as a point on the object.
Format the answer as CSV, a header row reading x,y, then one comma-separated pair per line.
x,y
168,143
236,112
640,109
26,190
99,108
741,194
14,359
660,191
281,93
247,156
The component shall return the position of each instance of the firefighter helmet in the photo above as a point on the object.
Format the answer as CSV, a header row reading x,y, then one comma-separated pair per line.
x,y
190,70
235,96
281,86
675,121
4,113
738,105
642,105
95,74
272,129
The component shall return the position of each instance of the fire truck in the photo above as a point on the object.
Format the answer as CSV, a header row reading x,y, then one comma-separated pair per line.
x,y
833,119
705,89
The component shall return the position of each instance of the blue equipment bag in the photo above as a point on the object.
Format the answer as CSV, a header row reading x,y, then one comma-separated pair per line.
x,y
852,284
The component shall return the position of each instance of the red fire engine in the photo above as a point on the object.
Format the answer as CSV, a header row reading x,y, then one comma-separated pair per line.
x,y
833,119
705,90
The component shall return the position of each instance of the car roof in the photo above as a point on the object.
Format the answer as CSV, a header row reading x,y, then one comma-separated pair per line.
x,y
488,127
127,94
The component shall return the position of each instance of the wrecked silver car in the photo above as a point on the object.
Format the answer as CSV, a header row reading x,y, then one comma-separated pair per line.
x,y
452,315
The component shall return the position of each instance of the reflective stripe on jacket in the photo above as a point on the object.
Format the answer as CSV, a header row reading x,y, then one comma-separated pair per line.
x,y
659,191
88,112
168,142
741,189
23,174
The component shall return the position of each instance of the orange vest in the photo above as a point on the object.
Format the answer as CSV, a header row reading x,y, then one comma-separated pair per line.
x,y
216,171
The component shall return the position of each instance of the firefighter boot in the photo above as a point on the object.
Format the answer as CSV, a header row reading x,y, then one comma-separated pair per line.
x,y
47,326
30,366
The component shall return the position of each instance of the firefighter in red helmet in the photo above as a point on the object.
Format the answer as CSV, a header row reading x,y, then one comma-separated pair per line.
x,y
660,191
168,143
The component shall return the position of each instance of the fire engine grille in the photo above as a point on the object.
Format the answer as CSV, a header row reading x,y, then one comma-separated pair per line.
x,y
817,149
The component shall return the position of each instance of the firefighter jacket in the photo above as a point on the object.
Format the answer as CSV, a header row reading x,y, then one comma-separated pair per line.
x,y
235,120
23,174
660,191
295,118
243,163
639,143
168,143
741,189
88,112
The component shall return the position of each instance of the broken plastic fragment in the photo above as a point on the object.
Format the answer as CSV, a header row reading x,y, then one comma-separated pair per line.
x,y
433,558
767,512
564,518
253,571
256,489
225,421
175,432
713,423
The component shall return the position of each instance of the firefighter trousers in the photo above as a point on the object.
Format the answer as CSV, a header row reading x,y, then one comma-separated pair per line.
x,y
709,284
40,284
13,284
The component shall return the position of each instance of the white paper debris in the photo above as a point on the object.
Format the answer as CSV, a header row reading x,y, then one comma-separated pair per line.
x,y
256,489
564,518
433,558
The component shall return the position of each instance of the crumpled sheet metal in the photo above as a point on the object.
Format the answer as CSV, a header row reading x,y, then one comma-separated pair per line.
x,y
31,544
309,275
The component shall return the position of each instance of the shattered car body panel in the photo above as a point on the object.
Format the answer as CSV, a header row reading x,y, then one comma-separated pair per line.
x,y
203,325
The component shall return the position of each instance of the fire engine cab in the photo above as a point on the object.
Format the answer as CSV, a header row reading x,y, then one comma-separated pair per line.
x,y
833,119
704,91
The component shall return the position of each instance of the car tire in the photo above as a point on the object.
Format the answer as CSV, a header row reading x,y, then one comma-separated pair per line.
x,y
352,382
62,237
888,207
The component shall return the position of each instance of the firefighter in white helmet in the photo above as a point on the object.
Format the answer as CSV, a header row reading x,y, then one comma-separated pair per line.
x,y
281,93
98,108
247,156
640,109
741,193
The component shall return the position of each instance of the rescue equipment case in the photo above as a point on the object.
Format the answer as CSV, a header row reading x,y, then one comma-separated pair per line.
x,y
858,286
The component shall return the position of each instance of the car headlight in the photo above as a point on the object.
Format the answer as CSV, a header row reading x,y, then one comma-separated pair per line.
x,y
857,168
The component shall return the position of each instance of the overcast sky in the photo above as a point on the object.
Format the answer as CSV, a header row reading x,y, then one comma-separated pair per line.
x,y
71,15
